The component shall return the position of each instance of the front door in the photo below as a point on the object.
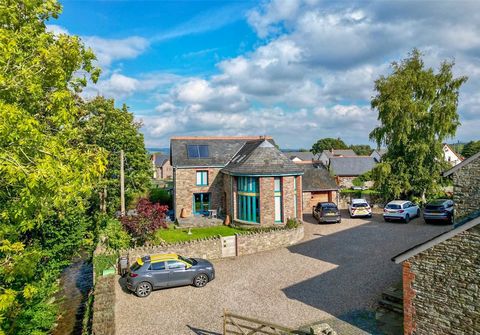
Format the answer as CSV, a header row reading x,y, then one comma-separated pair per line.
x,y
201,203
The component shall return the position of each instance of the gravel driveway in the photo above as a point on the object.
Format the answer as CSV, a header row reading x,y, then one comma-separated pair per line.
x,y
336,270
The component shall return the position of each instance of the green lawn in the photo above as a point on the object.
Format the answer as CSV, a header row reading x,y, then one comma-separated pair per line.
x,y
172,235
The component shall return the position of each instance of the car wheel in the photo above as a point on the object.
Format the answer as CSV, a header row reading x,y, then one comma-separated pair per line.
x,y
200,280
143,289
407,218
386,220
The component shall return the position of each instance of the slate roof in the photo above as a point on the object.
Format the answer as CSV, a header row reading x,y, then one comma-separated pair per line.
x,y
351,166
317,178
339,152
221,150
380,152
302,155
160,159
462,164
262,158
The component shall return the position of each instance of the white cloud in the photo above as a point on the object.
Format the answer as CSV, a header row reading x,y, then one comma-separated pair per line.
x,y
56,29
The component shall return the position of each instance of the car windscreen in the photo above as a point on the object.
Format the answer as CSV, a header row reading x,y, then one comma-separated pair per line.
x,y
393,206
190,261
135,266
360,205
329,206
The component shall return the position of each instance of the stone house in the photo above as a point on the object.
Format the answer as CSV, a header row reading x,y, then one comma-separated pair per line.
x,y
346,169
317,186
441,277
301,156
327,154
162,169
245,178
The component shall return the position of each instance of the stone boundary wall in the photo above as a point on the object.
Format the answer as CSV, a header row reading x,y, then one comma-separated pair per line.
x,y
103,319
211,248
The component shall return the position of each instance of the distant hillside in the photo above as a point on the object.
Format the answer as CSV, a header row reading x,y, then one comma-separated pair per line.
x,y
164,150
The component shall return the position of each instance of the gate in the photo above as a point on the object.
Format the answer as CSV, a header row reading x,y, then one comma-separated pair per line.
x,y
229,246
241,325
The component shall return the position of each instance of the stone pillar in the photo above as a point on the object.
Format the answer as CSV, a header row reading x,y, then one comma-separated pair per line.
x,y
267,201
408,295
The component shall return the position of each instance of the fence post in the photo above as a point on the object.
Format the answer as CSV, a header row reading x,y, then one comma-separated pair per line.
x,y
224,321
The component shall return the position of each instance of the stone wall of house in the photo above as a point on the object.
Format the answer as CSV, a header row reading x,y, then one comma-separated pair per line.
x,y
167,170
375,201
308,202
288,198
230,194
267,201
466,187
299,213
185,187
442,288
211,248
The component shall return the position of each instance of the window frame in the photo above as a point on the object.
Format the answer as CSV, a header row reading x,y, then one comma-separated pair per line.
x,y
198,151
203,181
176,261
150,268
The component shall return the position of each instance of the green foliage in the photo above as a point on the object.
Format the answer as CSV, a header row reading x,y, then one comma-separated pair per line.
x,y
328,144
471,148
115,236
417,110
161,196
102,262
362,179
114,129
361,149
172,235
292,223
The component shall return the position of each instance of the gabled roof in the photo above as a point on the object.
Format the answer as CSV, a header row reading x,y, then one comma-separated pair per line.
x,y
220,150
351,166
434,241
302,155
380,152
317,178
462,164
339,152
460,157
261,158
160,159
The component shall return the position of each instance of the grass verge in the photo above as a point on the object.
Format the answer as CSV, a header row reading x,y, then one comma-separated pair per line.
x,y
172,235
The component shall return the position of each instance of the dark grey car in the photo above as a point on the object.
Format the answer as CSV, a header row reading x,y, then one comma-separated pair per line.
x,y
160,271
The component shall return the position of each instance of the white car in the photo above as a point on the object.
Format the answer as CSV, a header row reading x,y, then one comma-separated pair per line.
x,y
359,207
400,210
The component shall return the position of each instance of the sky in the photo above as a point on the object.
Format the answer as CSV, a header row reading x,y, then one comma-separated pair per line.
x,y
297,70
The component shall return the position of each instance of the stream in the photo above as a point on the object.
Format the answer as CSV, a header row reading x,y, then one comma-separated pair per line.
x,y
75,284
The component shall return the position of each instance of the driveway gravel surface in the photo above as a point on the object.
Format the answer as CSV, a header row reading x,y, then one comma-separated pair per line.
x,y
336,271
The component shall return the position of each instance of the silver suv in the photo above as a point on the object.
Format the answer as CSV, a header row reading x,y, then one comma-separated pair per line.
x,y
167,270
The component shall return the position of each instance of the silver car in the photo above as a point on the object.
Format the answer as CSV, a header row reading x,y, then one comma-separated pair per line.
x,y
168,270
400,210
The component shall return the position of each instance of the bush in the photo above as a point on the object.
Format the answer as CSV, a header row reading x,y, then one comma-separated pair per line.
x,y
161,196
116,237
292,223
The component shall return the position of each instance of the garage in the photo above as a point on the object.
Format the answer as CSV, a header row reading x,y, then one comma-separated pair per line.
x,y
318,186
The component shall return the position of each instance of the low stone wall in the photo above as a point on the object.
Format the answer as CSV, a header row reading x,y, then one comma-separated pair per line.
x,y
103,320
254,242
211,248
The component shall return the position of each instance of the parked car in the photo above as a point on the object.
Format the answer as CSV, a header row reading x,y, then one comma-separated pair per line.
x,y
439,210
400,210
168,270
326,212
359,207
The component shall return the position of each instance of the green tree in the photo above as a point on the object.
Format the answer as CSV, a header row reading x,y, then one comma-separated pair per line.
x,y
114,129
471,148
328,144
361,149
46,173
417,110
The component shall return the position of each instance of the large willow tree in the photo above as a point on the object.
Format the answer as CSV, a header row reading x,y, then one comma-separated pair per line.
x,y
417,110
46,172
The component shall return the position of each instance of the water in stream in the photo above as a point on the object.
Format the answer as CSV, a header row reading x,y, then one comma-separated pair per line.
x,y
76,283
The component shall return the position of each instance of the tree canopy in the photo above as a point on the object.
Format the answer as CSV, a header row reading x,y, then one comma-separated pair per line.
x,y
327,143
471,148
361,149
417,110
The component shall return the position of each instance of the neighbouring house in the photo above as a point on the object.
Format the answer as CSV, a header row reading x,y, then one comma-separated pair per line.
x,y
317,185
300,156
377,154
245,178
441,277
346,169
451,156
162,169
327,154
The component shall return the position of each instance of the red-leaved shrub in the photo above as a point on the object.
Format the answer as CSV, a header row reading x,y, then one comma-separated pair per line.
x,y
148,219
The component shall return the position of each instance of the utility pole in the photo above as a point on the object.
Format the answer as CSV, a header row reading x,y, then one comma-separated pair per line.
x,y
122,184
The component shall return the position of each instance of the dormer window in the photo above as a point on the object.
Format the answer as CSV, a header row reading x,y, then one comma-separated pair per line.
x,y
197,151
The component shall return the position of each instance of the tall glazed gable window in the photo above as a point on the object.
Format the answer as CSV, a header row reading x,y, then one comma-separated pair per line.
x,y
197,151
248,199
202,178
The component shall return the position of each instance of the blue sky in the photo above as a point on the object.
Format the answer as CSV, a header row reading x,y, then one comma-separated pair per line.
x,y
296,70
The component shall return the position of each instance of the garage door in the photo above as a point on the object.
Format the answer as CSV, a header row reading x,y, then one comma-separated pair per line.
x,y
318,197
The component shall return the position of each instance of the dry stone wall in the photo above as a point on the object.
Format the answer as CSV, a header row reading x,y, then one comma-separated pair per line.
x,y
443,296
467,190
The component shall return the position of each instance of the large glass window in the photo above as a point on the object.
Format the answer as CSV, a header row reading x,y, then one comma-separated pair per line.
x,y
294,196
248,203
278,199
202,178
157,266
